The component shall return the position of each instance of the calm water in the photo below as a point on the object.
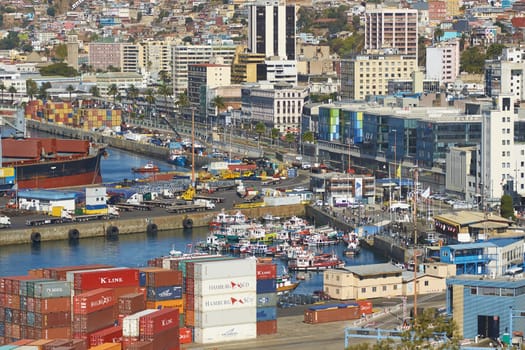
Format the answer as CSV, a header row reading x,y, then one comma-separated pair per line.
x,y
133,250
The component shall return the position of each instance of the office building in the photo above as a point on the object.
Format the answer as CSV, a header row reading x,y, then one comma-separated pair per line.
x,y
201,78
442,62
505,75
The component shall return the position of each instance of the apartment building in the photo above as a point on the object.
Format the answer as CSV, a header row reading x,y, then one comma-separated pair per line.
x,y
443,61
104,55
505,74
369,74
184,55
244,67
155,56
201,78
392,28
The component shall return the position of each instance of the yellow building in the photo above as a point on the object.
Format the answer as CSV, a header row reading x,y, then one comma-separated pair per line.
x,y
244,66
378,281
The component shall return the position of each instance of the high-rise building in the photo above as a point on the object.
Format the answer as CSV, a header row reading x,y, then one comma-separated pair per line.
x,y
505,74
104,55
201,78
443,61
390,28
184,55
271,29
155,56
244,67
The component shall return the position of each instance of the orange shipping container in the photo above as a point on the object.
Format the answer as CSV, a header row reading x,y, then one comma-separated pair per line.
x,y
166,304
365,307
185,336
107,346
190,318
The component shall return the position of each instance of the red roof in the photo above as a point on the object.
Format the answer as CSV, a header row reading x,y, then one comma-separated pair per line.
x,y
518,22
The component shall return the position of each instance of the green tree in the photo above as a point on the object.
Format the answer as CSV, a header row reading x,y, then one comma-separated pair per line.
x,y
275,134
11,41
2,89
94,91
165,90
61,52
132,92
60,68
113,91
70,90
308,136
472,60
260,128
150,99
506,209
51,11
12,90
494,51
218,102
187,39
182,102
42,90
31,88
438,33
165,76
421,51
289,138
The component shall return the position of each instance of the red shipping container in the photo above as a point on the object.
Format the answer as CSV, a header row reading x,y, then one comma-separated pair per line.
x,y
266,271
365,307
127,341
125,290
189,302
12,301
48,305
52,320
131,303
159,321
87,323
107,335
163,278
94,300
2,312
106,279
266,327
167,339
185,335
59,273
16,316
15,331
52,333
140,345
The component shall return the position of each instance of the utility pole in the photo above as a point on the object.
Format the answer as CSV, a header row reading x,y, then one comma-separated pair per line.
x,y
415,240
193,146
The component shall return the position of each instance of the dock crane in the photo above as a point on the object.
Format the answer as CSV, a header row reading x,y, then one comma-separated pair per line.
x,y
178,136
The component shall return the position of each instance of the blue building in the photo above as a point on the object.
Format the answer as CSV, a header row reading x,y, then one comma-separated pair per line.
x,y
484,306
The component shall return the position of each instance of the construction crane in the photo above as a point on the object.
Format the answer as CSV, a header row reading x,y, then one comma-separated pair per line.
x,y
177,135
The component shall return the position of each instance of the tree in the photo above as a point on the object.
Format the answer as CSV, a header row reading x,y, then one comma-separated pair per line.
x,y
132,92
494,51
260,128
182,101
61,52
2,89
113,91
507,210
165,90
308,136
219,103
94,91
70,89
59,68
150,99
42,91
289,138
438,33
473,60
31,88
11,41
275,134
165,76
12,90
51,11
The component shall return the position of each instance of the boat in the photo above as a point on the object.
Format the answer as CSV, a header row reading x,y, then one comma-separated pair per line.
x,y
148,168
285,285
50,162
311,261
352,249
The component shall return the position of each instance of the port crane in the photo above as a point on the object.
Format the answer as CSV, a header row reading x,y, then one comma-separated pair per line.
x,y
177,135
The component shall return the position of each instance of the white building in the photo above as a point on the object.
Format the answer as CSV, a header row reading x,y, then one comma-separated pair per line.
x,y
281,71
505,74
183,55
443,61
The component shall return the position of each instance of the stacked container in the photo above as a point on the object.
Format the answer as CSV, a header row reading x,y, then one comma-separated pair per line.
x,y
151,329
58,112
122,280
164,289
224,300
34,110
129,304
93,311
266,297
89,118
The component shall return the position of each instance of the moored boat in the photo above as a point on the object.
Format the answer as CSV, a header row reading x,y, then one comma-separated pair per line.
x,y
310,261
352,249
285,285
148,168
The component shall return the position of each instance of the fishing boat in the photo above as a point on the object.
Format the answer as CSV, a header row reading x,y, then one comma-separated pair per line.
x,y
311,261
352,248
148,168
285,284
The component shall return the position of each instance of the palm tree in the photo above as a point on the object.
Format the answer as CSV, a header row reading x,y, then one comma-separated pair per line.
x,y
31,88
132,92
308,136
260,128
150,99
290,138
2,89
275,134
113,91
219,103
94,91
12,90
165,90
70,89
42,91
182,101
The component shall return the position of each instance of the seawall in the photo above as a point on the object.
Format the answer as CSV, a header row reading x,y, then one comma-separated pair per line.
x,y
101,228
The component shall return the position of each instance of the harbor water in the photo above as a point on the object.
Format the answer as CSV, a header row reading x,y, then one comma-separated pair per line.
x,y
135,250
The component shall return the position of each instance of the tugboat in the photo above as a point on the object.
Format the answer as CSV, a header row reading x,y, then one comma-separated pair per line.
x,y
148,168
285,284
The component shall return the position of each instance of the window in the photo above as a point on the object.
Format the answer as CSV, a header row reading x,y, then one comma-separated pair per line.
x,y
337,291
384,288
395,287
363,290
426,283
473,291
374,289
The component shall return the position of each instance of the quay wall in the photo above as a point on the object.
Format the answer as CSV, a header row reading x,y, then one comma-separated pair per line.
x,y
100,228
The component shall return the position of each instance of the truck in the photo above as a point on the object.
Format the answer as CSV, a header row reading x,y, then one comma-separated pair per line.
x,y
206,202
67,217
5,221
186,208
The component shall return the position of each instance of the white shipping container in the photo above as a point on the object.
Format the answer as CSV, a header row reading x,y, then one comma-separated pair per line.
x,y
218,165
225,285
276,201
131,323
28,347
225,317
225,333
217,269
225,301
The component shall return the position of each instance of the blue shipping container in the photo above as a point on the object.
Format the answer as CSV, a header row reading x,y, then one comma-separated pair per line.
x,y
30,319
266,313
142,278
2,329
266,286
164,293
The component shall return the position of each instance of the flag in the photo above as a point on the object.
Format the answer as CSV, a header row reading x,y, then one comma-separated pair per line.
x,y
426,194
398,171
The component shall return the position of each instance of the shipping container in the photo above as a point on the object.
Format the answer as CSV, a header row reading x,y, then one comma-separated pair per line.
x,y
365,307
59,273
266,286
131,323
94,300
266,271
106,279
331,313
107,346
167,339
40,343
266,327
131,303
225,285
225,333
225,317
266,313
224,269
51,333
164,293
111,334
225,301
163,278
49,320
87,323
185,335
267,299
168,304
158,322
44,306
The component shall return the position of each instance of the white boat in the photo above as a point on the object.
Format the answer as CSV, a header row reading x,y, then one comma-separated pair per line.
x,y
352,249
